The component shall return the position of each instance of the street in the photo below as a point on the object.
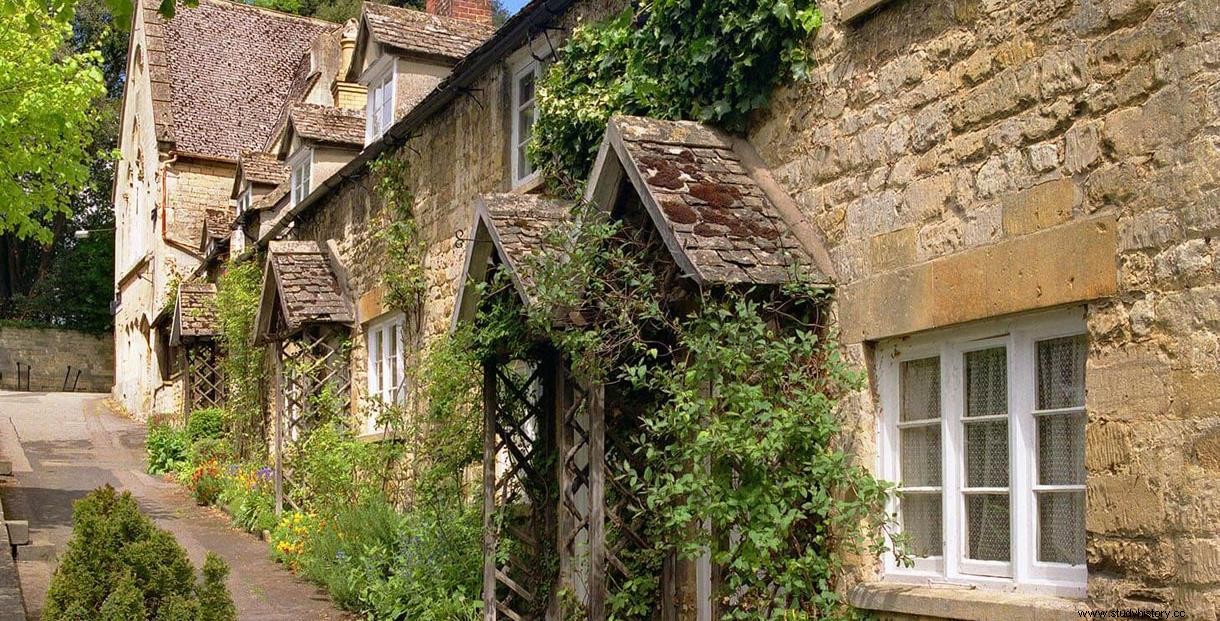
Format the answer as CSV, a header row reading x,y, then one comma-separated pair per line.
x,y
62,445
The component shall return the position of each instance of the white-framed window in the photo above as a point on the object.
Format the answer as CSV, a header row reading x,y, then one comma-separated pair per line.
x,y
525,78
379,112
301,167
383,342
982,428
243,201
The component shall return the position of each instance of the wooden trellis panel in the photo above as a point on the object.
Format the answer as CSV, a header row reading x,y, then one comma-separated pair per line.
x,y
313,380
518,485
204,385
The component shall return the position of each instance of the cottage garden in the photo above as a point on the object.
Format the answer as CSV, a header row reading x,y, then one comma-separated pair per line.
x,y
393,528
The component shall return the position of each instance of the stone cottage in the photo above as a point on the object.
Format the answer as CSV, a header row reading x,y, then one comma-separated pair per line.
x,y
1017,205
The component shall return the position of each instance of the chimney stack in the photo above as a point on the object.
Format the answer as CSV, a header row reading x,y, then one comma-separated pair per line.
x,y
350,95
478,11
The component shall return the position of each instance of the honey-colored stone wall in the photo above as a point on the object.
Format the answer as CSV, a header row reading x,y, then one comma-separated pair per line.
x,y
971,158
457,154
56,360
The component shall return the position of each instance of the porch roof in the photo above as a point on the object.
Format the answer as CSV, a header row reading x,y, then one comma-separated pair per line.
x,y
194,313
302,285
515,227
722,216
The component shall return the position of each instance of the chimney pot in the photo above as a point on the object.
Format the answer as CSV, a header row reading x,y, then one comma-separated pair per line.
x,y
478,11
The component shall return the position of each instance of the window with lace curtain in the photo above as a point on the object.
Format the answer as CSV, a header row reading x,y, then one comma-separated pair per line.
x,y
983,431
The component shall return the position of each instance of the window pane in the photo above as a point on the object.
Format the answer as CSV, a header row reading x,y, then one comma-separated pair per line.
x,y
987,453
920,389
1061,527
524,167
921,456
1061,372
1061,449
986,382
987,528
393,378
525,88
921,521
376,357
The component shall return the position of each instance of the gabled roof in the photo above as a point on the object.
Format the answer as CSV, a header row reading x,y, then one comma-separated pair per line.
x,y
325,125
219,73
301,286
194,313
217,226
721,215
262,167
512,228
419,33
270,199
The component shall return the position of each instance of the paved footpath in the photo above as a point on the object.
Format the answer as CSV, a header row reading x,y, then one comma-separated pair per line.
x,y
63,445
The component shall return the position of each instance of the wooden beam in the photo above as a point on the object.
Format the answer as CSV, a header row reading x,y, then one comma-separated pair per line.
x,y
597,503
489,492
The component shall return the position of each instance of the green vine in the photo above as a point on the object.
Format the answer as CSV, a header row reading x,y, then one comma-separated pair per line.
x,y
238,291
404,277
708,60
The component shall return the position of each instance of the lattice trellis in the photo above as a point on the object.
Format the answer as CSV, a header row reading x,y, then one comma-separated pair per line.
x,y
518,486
313,380
204,382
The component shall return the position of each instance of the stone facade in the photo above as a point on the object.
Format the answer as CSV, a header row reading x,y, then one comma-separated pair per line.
x,y
969,158
49,356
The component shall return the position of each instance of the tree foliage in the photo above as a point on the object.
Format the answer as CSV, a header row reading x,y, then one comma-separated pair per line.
x,y
46,94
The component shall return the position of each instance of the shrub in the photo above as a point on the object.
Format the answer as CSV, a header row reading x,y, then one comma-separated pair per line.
x,y
166,448
118,565
206,423
210,449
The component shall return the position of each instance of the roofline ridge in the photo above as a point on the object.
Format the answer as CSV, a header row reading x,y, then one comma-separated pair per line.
x,y
274,13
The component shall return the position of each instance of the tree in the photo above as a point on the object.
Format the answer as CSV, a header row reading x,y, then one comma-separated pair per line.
x,y
46,92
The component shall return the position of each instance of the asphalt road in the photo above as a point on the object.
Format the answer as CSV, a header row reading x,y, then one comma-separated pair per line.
x,y
63,445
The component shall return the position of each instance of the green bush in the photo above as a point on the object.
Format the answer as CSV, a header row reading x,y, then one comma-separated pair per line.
x,y
210,449
119,566
166,448
207,423
249,497
425,564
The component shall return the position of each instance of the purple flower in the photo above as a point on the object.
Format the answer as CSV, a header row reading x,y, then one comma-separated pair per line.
x,y
232,469
266,473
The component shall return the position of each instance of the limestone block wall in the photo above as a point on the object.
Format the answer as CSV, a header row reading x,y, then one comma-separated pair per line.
x,y
193,187
973,158
50,353
458,154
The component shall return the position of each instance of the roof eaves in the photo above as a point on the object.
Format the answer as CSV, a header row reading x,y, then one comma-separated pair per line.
x,y
490,52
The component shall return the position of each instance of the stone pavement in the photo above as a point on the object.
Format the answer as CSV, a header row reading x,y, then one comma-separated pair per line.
x,y
63,445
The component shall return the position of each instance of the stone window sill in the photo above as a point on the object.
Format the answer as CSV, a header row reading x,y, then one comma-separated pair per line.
x,y
855,8
962,602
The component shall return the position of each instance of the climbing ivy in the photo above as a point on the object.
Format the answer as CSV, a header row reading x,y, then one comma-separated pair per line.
x,y
707,60
237,296
403,276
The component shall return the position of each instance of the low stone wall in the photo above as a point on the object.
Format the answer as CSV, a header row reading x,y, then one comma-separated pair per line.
x,y
53,354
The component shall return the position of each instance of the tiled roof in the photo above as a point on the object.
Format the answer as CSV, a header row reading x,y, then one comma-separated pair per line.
x,y
220,72
423,33
269,200
516,227
327,124
305,283
262,167
519,224
195,312
709,209
217,224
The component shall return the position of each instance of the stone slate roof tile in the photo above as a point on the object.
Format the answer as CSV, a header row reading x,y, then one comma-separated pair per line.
x,y
220,71
716,214
519,225
262,167
217,223
195,313
307,286
272,198
327,124
423,33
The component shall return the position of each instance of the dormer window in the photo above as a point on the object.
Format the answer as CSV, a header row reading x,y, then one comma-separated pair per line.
x,y
243,201
525,76
301,165
379,114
